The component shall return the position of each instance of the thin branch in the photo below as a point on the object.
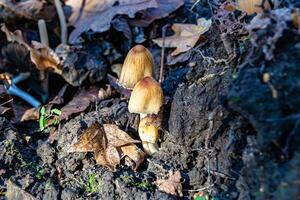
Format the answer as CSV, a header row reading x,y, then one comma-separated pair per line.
x,y
162,59
62,21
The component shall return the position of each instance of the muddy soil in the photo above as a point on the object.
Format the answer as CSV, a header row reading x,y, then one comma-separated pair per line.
x,y
222,128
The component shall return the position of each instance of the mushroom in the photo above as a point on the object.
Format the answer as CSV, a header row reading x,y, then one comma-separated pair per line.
x,y
146,99
252,6
149,133
137,65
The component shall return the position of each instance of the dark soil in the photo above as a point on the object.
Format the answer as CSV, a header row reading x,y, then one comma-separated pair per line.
x,y
222,128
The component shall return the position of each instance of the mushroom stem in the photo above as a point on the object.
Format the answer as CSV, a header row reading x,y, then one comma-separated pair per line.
x,y
150,148
43,76
62,21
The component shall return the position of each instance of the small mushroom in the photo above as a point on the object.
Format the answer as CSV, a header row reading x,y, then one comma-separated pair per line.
x,y
137,65
146,99
252,6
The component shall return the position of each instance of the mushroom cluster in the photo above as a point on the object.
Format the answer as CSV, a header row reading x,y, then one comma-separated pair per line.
x,y
147,96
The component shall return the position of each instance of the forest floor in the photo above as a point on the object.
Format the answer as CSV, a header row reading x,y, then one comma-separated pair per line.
x,y
230,124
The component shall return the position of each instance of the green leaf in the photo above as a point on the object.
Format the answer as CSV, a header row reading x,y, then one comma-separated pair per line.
x,y
55,111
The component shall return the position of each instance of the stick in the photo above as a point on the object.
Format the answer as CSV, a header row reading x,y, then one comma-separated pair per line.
x,y
44,78
62,21
161,74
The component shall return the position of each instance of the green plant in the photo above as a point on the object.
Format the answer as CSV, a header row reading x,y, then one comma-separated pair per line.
x,y
52,117
144,184
94,184
40,174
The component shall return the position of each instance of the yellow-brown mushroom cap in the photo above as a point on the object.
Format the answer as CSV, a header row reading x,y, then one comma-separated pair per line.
x,y
148,129
146,97
137,65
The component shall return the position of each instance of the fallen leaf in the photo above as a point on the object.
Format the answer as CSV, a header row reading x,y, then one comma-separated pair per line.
x,y
107,143
116,136
30,9
164,8
79,103
94,139
44,58
172,185
6,107
97,15
185,37
134,153
15,36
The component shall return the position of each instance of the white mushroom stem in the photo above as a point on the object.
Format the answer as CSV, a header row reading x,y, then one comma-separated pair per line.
x,y
62,21
150,148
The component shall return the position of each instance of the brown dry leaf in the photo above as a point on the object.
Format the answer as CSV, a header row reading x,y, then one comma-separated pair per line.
x,y
44,58
164,8
97,15
172,185
134,153
116,137
6,107
113,157
105,143
93,139
79,103
15,36
29,9
185,37
31,114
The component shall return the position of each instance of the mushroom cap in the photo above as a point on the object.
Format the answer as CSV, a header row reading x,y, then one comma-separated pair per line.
x,y
146,97
148,130
137,65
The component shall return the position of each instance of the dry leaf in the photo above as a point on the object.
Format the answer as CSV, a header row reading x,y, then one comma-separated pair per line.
x,y
116,136
164,8
6,108
93,139
15,192
172,185
185,37
79,103
44,58
134,153
29,9
97,15
15,36
107,143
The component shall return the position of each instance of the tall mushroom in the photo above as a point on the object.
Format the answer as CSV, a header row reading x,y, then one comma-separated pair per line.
x,y
137,65
146,99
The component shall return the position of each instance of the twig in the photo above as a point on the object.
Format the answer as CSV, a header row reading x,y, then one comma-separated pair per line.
x,y
44,78
162,59
200,189
62,21
114,83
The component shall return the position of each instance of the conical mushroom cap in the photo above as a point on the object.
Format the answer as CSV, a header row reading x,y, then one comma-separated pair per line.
x,y
137,65
146,97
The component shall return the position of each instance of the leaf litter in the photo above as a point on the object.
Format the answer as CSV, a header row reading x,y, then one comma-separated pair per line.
x,y
110,145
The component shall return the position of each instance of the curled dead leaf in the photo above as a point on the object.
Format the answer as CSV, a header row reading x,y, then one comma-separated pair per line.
x,y
97,15
44,58
134,154
172,185
93,139
29,9
107,143
186,36
116,137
